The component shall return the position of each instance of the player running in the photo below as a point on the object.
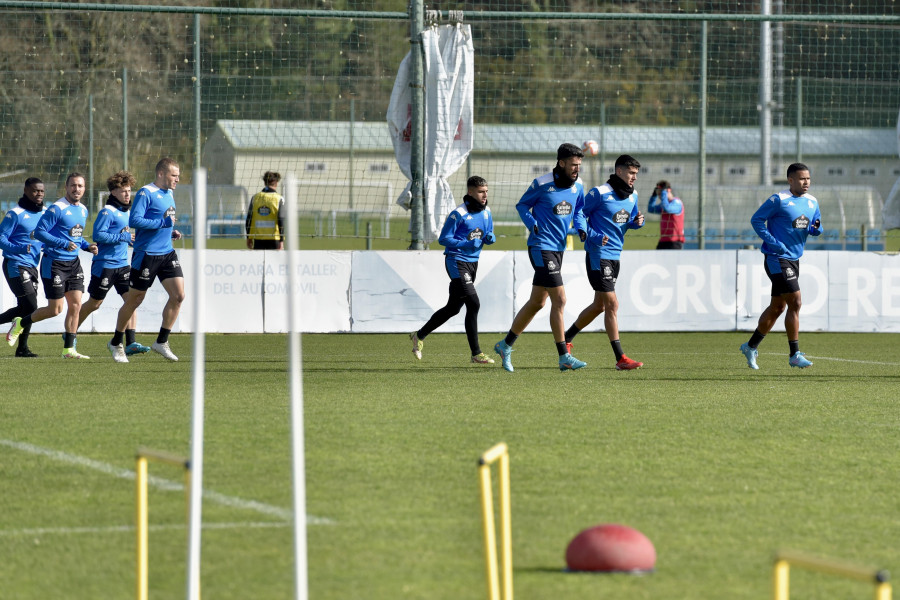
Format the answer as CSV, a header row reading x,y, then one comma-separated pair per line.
x,y
784,221
109,268
608,211
546,209
21,253
466,229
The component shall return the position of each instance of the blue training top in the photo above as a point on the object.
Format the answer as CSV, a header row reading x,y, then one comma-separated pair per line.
x,y
784,221
20,248
460,231
62,223
151,217
604,213
551,209
112,237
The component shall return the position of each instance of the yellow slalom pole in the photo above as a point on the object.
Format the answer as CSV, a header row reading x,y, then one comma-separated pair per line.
x,y
141,528
782,580
490,537
506,527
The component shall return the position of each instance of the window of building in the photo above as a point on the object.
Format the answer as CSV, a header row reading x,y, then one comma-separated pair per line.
x,y
316,166
540,169
737,171
672,170
868,172
380,167
835,171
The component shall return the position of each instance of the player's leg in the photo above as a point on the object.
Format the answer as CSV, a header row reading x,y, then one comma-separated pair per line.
x,y
87,307
174,286
473,305
792,328
455,292
558,327
73,310
775,270
525,315
121,276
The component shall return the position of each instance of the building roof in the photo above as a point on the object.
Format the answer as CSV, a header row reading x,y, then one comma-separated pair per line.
x,y
327,136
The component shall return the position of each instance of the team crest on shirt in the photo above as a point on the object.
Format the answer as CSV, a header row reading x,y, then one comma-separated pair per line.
x,y
621,217
76,231
563,209
801,222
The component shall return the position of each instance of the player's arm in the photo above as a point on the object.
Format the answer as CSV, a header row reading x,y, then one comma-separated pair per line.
x,y
42,231
249,217
448,237
815,228
637,219
655,205
280,218
526,203
760,218
489,237
670,204
101,232
579,223
7,227
137,215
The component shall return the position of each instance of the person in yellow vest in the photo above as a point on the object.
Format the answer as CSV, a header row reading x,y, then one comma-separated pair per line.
x,y
265,225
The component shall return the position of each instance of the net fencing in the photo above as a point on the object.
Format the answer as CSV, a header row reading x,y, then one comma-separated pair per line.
x,y
285,90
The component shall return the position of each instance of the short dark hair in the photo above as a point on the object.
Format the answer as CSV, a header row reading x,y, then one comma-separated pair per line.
x,y
568,151
72,176
796,167
32,181
120,179
663,185
628,161
476,182
163,165
271,177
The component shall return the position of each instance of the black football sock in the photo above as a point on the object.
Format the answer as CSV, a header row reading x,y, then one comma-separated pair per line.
x,y
794,346
163,336
571,332
617,348
511,338
129,337
756,339
561,348
117,338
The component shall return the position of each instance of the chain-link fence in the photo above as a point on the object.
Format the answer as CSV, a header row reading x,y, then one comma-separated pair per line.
x,y
279,87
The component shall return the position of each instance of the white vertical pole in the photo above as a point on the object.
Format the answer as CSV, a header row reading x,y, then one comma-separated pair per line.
x,y
295,356
765,96
199,385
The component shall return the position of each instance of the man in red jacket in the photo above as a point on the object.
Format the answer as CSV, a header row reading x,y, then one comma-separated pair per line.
x,y
671,226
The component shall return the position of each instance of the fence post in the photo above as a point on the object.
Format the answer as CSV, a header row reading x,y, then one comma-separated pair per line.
x,y
417,127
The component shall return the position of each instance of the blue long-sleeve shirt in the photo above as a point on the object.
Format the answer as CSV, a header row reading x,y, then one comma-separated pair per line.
x,y
61,224
786,219
112,237
603,213
662,203
551,209
151,217
20,248
461,228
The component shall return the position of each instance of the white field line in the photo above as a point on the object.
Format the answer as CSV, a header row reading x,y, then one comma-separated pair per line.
x,y
158,482
39,531
782,354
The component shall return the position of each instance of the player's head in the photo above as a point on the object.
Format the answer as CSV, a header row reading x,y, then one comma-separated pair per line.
x,y
120,185
627,168
798,178
663,185
34,190
74,187
271,179
568,158
477,189
167,174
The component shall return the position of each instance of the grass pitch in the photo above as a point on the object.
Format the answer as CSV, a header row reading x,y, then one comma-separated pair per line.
x,y
717,464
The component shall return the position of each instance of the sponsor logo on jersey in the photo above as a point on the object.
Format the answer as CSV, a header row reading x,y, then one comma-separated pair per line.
x,y
264,211
801,222
170,212
621,217
476,234
551,189
453,216
562,209
75,232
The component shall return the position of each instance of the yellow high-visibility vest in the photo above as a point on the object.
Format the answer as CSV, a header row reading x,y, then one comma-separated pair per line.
x,y
264,216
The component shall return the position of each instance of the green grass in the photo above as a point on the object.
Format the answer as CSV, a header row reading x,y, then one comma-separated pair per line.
x,y
718,465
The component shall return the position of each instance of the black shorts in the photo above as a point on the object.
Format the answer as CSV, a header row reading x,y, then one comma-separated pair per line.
x,y
23,284
547,267
784,275
669,245
462,277
61,276
109,278
604,275
145,268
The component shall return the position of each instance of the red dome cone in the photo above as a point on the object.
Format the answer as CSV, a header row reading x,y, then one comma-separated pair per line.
x,y
611,548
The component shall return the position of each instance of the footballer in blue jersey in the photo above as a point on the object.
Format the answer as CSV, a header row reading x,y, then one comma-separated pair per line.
x,y
547,209
21,252
609,210
60,229
783,222
109,268
152,217
466,230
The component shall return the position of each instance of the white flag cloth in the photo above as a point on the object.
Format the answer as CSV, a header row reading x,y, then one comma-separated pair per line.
x,y
890,213
449,101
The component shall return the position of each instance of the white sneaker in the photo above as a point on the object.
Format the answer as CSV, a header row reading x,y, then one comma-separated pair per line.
x,y
73,353
118,352
164,350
